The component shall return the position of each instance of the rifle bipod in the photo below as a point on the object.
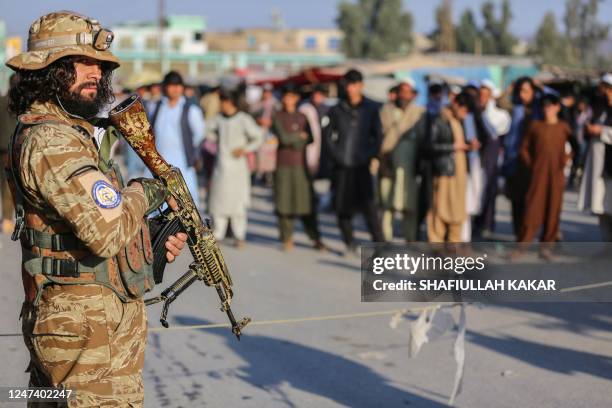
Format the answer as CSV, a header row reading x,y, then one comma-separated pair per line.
x,y
173,291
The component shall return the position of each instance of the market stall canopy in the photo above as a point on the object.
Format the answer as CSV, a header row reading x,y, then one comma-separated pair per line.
x,y
308,76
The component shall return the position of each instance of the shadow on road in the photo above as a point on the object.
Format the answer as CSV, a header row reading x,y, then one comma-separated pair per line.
x,y
340,264
271,362
552,358
582,318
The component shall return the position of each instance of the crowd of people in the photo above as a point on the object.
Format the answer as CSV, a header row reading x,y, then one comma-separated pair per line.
x,y
438,167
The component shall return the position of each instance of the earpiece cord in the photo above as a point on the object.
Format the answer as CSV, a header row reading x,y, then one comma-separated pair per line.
x,y
71,114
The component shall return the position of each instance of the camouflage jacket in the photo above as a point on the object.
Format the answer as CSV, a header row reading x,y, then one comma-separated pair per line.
x,y
66,191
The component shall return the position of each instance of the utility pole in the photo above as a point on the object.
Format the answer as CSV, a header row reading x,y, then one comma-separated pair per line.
x,y
161,26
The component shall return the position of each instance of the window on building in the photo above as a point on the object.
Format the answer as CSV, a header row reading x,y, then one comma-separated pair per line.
x,y
251,41
177,42
151,66
126,43
180,67
310,43
333,43
198,36
126,69
152,43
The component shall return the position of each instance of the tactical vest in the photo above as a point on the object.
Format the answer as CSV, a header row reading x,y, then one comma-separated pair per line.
x,y
52,253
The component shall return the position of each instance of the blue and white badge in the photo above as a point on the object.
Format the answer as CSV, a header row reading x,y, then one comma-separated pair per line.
x,y
105,195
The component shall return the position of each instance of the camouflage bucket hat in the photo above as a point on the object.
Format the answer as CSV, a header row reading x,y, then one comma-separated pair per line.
x,y
64,33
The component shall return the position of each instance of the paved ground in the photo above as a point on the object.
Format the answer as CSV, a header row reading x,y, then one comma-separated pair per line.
x,y
518,355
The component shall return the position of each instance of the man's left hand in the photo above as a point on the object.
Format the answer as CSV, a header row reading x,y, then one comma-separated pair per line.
x,y
175,243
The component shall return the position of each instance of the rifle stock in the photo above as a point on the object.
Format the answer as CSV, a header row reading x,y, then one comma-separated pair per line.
x,y
130,118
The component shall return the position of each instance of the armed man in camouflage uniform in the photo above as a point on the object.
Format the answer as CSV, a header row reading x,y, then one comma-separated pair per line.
x,y
85,243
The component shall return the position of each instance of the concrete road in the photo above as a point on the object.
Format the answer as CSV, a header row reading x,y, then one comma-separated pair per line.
x,y
517,355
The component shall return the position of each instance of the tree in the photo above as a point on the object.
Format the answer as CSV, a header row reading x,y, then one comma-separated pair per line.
x,y
506,40
496,35
584,32
444,34
468,35
374,28
549,43
490,27
352,23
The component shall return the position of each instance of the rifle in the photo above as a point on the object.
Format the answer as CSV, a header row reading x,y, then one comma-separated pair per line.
x,y
130,118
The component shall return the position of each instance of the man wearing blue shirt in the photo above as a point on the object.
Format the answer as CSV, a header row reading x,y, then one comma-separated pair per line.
x,y
179,130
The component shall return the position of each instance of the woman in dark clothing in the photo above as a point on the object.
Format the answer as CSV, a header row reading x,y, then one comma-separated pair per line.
x,y
293,192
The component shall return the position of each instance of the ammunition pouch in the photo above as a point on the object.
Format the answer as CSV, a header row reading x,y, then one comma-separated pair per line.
x,y
135,263
135,260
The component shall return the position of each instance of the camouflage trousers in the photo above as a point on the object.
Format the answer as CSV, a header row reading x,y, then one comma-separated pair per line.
x,y
82,337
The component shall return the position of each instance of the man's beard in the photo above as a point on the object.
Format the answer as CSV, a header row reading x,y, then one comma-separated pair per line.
x,y
76,104
402,103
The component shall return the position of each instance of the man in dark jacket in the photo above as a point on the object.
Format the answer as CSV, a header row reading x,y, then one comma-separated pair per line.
x,y
352,134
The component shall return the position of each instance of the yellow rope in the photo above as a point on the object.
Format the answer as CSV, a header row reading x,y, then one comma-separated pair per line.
x,y
298,319
288,321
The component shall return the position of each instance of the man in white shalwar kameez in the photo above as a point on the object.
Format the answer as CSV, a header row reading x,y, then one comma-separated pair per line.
x,y
236,134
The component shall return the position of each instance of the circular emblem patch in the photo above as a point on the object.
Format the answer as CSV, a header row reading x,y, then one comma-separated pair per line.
x,y
105,195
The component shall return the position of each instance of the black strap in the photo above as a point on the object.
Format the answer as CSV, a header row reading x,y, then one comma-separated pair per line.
x,y
63,268
155,113
20,197
35,264
187,135
54,242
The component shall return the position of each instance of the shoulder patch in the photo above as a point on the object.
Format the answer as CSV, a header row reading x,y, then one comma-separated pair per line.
x,y
105,195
